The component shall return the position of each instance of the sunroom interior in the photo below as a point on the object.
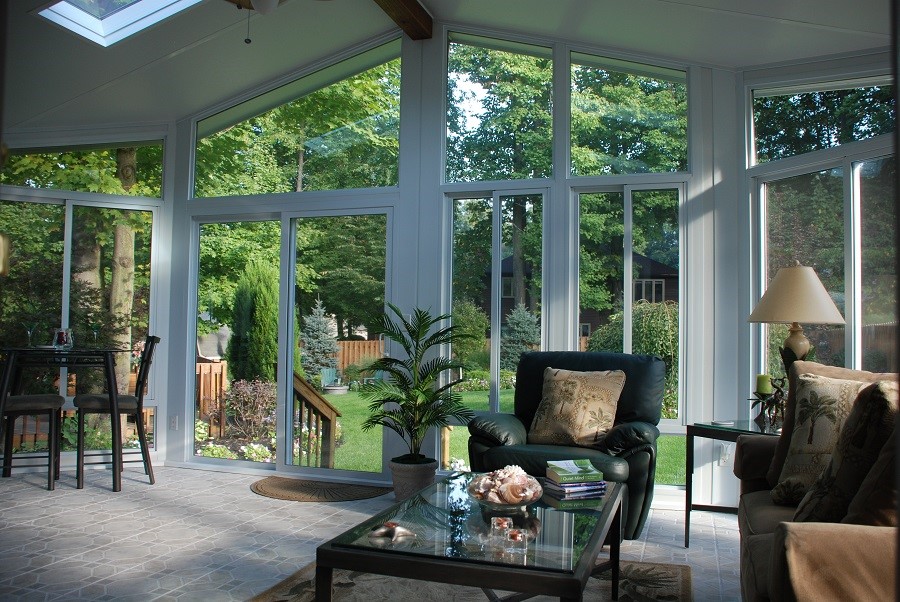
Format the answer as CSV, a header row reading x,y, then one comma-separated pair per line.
x,y
658,161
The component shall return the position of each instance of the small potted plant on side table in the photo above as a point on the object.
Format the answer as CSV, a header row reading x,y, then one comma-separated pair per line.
x,y
410,399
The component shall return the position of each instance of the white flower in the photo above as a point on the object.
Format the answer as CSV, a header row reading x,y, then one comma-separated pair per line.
x,y
459,465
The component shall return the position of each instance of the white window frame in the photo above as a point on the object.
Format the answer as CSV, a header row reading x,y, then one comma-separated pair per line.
x,y
848,157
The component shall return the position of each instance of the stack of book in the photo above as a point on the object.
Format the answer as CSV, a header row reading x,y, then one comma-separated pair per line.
x,y
573,484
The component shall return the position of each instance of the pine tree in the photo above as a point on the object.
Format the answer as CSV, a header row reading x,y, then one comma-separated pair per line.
x,y
253,347
319,344
523,333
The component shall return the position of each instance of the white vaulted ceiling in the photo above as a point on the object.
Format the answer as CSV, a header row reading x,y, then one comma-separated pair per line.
x,y
198,58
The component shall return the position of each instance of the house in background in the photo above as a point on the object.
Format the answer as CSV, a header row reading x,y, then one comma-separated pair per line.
x,y
178,84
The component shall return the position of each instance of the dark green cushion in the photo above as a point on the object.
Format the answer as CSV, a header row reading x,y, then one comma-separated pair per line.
x,y
498,429
100,403
35,403
533,459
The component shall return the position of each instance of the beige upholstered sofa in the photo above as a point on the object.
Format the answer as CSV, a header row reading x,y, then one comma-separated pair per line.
x,y
848,558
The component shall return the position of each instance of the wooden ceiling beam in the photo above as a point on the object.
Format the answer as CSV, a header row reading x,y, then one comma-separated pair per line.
x,y
410,16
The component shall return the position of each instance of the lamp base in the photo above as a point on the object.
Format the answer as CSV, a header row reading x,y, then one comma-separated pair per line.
x,y
788,357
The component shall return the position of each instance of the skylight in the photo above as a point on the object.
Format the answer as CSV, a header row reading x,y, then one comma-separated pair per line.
x,y
109,21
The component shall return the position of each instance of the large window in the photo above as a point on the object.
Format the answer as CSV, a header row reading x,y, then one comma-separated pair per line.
x,y
630,242
499,121
127,169
805,223
338,294
836,215
86,267
792,121
237,341
334,129
627,118
495,241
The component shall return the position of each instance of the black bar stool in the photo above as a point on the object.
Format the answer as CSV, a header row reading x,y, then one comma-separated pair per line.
x,y
129,405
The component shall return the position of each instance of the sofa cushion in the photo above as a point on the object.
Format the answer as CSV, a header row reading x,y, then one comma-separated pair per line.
x,y
758,514
576,408
532,458
803,367
756,566
865,431
822,404
876,501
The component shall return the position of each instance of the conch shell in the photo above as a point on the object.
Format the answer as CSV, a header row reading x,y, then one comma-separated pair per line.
x,y
391,529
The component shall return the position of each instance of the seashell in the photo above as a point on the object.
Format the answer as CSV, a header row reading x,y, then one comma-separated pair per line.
x,y
391,530
493,498
512,493
381,531
400,532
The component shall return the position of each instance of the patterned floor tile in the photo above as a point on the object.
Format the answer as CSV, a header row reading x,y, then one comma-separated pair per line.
x,y
204,535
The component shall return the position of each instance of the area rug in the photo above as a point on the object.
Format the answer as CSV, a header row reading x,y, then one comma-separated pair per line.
x,y
639,582
298,490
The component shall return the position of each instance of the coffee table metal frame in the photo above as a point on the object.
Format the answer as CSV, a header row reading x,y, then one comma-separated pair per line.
x,y
530,581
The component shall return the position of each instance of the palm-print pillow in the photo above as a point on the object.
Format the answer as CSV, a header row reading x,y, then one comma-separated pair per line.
x,y
822,405
577,408
866,430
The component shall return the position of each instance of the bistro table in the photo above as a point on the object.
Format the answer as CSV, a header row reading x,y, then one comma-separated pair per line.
x,y
48,356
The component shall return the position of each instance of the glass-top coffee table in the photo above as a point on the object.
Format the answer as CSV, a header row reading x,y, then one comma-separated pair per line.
x,y
453,543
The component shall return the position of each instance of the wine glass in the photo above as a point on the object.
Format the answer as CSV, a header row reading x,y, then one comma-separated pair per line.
x,y
30,327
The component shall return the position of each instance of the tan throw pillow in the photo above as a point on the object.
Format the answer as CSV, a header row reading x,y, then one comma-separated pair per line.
x,y
576,408
866,430
822,405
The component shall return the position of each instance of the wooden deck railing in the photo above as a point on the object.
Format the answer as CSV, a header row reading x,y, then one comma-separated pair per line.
x,y
315,426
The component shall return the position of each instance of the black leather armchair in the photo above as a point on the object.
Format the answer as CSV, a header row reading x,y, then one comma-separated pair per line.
x,y
626,454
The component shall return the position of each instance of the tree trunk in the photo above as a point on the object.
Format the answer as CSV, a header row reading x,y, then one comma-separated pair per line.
x,y
126,166
300,163
86,259
518,259
121,297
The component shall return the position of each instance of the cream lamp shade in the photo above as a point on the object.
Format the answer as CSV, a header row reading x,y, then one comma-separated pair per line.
x,y
796,295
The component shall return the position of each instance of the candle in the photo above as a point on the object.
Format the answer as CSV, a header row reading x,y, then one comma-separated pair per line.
x,y
763,384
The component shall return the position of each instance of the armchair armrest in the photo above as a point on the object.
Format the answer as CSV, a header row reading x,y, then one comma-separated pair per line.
x,y
752,457
499,429
833,561
628,435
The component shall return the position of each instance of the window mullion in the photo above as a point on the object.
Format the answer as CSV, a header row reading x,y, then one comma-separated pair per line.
x,y
853,266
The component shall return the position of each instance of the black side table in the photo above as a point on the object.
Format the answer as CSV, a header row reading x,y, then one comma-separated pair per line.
x,y
720,431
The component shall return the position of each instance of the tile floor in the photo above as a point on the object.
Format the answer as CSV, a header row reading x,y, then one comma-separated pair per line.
x,y
203,535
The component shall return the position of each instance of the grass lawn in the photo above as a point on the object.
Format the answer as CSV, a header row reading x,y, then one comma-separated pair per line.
x,y
362,451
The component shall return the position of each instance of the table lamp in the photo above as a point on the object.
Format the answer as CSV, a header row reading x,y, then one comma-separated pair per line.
x,y
796,295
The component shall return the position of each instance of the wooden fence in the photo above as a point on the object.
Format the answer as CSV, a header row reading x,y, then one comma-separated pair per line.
x,y
355,352
210,401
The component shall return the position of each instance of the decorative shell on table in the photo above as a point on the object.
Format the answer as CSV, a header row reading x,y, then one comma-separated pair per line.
x,y
508,486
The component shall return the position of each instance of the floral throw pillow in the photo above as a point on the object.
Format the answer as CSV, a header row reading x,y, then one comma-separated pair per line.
x,y
822,406
577,408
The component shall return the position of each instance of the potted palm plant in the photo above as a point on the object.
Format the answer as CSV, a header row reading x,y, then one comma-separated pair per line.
x,y
410,399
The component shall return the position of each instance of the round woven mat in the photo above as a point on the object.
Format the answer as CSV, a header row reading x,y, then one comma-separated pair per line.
x,y
297,490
